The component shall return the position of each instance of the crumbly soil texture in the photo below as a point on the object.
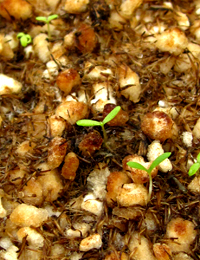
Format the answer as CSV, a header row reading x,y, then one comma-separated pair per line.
x,y
145,59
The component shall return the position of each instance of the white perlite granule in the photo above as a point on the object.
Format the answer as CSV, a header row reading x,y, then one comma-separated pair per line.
x,y
97,181
187,138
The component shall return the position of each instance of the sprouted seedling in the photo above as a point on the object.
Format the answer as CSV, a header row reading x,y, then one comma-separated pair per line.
x,y
108,118
154,164
47,20
25,39
195,167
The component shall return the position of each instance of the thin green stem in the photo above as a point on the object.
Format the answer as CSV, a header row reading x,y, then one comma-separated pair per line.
x,y
150,185
104,133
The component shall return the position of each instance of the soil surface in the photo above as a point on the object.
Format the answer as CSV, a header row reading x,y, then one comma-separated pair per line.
x,y
48,164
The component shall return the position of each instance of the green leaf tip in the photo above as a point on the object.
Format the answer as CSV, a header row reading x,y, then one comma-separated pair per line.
x,y
137,166
41,18
111,115
158,160
21,34
194,168
88,122
47,19
52,17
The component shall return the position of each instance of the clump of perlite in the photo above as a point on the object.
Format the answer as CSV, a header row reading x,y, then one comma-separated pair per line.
x,y
157,125
129,83
88,243
162,251
75,7
3,211
72,111
9,250
25,147
9,85
172,40
97,180
68,79
196,129
92,205
19,9
56,152
140,247
180,235
127,8
114,183
34,238
132,194
56,125
6,51
93,72
26,215
41,47
154,150
103,94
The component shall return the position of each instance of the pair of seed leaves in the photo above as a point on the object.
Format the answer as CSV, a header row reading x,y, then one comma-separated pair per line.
x,y
108,118
25,39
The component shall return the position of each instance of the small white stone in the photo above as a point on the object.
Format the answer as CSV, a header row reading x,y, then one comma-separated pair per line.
x,y
9,85
28,51
196,129
10,253
154,150
70,233
187,138
76,256
83,228
168,5
132,194
41,47
162,103
35,239
12,40
5,242
103,95
3,212
76,6
92,205
91,242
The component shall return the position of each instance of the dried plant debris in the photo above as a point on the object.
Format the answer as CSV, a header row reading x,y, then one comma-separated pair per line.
x,y
65,192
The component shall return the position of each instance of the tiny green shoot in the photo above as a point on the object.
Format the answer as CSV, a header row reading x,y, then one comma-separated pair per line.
x,y
47,20
195,167
154,164
108,118
25,39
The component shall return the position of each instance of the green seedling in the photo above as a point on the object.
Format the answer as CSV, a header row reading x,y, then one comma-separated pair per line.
x,y
47,20
154,164
25,39
108,118
195,167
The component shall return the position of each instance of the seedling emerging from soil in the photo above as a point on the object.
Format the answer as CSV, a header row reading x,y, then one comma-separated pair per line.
x,y
108,118
154,164
25,39
195,167
47,20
